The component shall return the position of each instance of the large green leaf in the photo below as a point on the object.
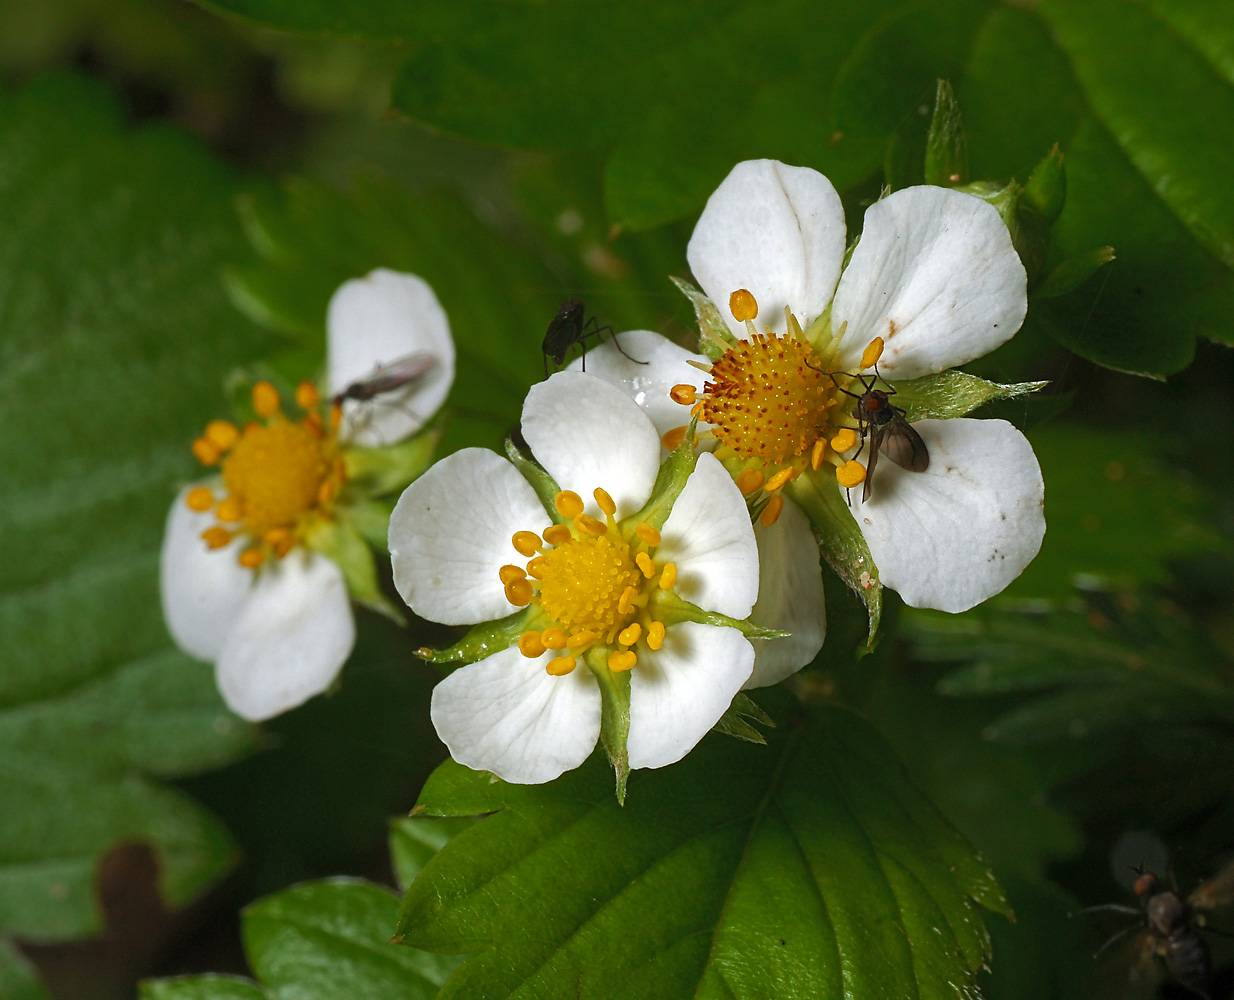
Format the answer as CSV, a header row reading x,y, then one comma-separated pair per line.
x,y
116,337
807,867
320,941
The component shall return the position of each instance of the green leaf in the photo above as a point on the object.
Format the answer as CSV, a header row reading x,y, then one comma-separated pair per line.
x,y
808,867
953,394
18,979
946,160
416,839
208,987
739,718
116,339
1068,275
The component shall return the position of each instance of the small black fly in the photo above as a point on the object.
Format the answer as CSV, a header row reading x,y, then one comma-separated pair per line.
x,y
569,327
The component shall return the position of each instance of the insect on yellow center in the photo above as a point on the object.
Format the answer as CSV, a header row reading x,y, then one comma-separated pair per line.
x,y
279,475
592,580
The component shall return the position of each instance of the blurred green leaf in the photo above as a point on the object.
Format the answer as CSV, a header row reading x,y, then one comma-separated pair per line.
x,y
415,839
320,941
18,980
116,338
808,867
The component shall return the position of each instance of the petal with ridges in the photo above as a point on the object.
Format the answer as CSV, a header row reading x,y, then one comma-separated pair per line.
x,y
202,589
588,433
790,597
680,691
709,537
507,715
958,533
775,230
647,384
291,639
450,535
939,265
371,322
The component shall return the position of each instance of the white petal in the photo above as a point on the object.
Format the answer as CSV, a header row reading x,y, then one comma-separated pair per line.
x,y
679,692
708,535
450,535
202,589
647,384
291,639
939,264
775,230
958,533
371,322
790,597
587,433
505,714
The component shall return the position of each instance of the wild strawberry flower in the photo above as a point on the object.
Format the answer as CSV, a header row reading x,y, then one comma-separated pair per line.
x,y
260,562
616,589
933,282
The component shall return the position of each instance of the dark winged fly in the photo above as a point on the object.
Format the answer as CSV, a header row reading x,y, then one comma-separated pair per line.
x,y
1168,933
401,373
882,427
569,327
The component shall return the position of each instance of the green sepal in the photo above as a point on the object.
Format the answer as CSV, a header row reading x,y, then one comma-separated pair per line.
x,y
840,541
738,720
670,481
545,486
1070,274
342,544
614,716
671,608
371,518
953,394
1046,190
946,155
378,471
714,336
484,639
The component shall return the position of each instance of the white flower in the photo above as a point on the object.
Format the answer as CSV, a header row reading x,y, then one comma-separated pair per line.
x,y
932,283
243,581
603,588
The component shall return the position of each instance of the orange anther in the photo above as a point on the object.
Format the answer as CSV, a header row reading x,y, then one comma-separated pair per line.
x,y
630,634
230,509
588,524
568,503
750,481
604,502
771,513
672,439
526,543
581,640
669,576
816,454
200,499
535,567
851,474
510,573
873,351
655,635
779,479
216,537
205,452
530,644
222,434
265,399
645,564
251,558
648,534
558,534
685,394
843,439
519,593
554,637
307,396
619,662
743,305
559,666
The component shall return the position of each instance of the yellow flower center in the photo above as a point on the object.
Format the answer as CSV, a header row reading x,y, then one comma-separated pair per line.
x,y
593,580
280,476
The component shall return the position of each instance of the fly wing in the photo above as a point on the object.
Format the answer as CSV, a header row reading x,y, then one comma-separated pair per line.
x,y
1132,972
400,372
1217,893
903,445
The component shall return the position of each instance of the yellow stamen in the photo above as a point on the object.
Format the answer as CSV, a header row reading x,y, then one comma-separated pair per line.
x,y
851,474
669,576
200,499
557,534
750,480
568,503
526,543
554,638
643,560
205,452
230,509
336,417
223,434
265,399
307,396
816,454
630,634
625,603
743,305
216,537
535,568
327,491
671,439
873,351
581,640
843,439
508,574
251,558
655,635
530,644
278,538
604,502
684,393
588,524
620,662
648,534
779,479
561,665
771,513
520,592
